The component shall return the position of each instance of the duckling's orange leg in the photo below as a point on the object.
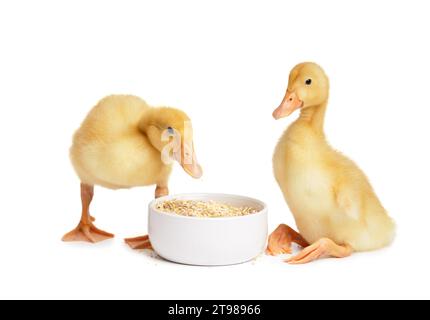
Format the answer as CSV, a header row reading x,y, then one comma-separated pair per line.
x,y
321,249
161,191
86,231
280,240
143,241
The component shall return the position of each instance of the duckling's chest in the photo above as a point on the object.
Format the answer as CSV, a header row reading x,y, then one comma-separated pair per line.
x,y
301,173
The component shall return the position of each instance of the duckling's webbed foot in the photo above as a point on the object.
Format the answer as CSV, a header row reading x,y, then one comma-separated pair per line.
x,y
143,241
139,243
86,231
280,240
321,249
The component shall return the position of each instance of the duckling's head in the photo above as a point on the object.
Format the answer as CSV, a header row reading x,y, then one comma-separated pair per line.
x,y
170,132
308,86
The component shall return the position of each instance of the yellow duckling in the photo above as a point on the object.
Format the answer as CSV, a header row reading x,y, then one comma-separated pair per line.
x,y
333,203
124,143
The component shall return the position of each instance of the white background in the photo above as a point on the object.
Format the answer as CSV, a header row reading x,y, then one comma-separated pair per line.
x,y
226,64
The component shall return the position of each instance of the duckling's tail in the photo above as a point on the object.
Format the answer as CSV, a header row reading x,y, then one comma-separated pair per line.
x,y
380,232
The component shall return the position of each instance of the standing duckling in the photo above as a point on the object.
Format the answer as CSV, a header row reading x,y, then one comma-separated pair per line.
x,y
333,203
120,144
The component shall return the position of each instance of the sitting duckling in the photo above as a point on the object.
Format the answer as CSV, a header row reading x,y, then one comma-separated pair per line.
x,y
333,203
120,144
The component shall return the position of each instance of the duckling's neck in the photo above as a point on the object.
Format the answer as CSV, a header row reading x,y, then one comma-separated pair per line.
x,y
314,117
148,118
150,124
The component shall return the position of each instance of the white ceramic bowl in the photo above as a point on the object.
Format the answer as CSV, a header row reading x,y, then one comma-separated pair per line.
x,y
208,241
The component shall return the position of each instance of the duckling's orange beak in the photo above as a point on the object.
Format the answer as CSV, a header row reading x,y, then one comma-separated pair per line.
x,y
189,162
289,104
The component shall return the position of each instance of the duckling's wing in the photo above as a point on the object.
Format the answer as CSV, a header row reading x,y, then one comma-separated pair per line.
x,y
348,201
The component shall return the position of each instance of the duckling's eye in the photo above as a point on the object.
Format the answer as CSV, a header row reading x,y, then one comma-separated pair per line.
x,y
170,130
308,82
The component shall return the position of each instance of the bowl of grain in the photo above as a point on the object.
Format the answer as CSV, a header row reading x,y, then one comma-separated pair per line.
x,y
207,229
